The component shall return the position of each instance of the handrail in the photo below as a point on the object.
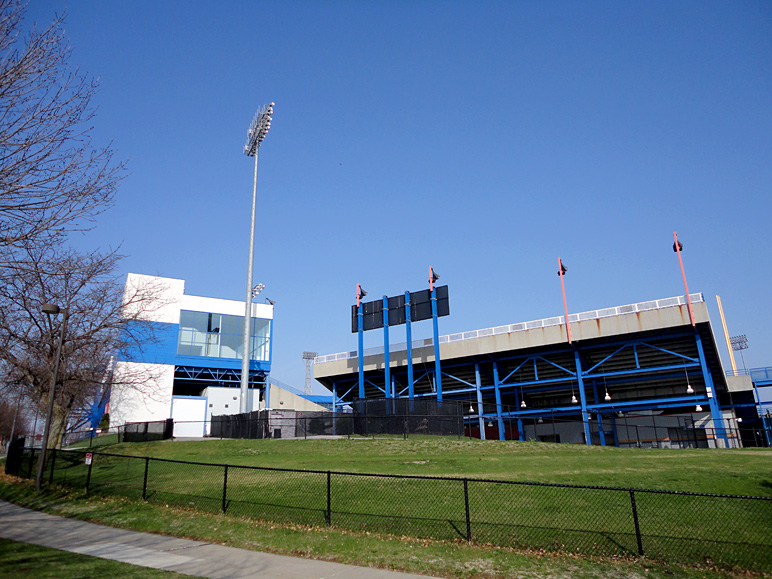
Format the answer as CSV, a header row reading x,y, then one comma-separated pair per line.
x,y
522,326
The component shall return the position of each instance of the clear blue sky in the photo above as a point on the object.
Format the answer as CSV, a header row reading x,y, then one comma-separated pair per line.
x,y
483,138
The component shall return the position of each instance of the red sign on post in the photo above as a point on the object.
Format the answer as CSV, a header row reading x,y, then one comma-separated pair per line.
x,y
89,456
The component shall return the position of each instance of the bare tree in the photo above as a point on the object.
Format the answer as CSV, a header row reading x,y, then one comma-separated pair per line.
x,y
104,321
14,417
52,180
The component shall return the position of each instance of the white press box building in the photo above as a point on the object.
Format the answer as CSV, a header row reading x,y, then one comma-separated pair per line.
x,y
192,368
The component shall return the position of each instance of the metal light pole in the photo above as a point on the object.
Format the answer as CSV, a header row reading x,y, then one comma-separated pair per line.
x,y
51,309
562,269
255,135
678,247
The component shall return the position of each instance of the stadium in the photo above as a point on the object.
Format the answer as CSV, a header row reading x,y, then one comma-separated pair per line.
x,y
644,374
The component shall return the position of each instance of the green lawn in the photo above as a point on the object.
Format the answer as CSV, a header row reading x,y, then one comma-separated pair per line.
x,y
729,531
449,559
742,472
25,561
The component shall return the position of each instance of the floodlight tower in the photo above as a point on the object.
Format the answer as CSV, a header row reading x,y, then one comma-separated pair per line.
x,y
309,358
255,135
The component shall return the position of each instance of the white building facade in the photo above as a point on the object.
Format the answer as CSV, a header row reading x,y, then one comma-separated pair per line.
x,y
193,363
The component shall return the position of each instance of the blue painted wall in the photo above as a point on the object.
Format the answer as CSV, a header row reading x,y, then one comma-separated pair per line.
x,y
160,347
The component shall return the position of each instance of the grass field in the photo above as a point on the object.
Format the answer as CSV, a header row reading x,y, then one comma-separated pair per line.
x,y
452,560
591,521
729,471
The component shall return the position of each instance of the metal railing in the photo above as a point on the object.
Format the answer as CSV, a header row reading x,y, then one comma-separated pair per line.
x,y
522,326
691,528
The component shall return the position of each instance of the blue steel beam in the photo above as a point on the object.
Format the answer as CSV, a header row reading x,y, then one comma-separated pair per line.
x,y
497,390
409,335
582,398
386,366
437,369
715,409
361,354
480,408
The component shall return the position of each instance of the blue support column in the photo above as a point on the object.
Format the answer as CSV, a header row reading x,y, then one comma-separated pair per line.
x,y
582,398
409,335
334,408
496,388
386,367
600,416
600,430
715,409
480,418
437,369
614,428
361,332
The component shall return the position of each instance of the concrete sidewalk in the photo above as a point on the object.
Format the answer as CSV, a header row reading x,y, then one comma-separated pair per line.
x,y
180,555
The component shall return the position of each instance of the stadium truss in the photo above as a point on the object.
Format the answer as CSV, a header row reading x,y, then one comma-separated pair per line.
x,y
640,358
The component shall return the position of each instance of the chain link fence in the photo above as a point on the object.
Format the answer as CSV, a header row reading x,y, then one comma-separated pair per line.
x,y
723,530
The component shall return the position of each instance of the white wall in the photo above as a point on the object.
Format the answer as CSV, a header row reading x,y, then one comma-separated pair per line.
x,y
189,416
280,399
141,392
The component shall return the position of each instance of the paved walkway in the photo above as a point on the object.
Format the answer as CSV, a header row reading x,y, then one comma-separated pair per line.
x,y
180,555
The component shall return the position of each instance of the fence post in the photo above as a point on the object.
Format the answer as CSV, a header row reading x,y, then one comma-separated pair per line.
x,y
328,514
637,524
32,462
224,487
144,482
88,476
53,462
466,507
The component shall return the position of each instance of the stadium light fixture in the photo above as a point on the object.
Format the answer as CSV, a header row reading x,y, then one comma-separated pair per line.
x,y
257,289
360,294
256,133
433,277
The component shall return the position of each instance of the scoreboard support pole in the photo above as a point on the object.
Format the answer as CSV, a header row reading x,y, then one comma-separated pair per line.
x,y
361,333
387,389
409,335
437,371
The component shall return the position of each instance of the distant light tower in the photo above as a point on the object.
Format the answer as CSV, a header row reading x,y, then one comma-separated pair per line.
x,y
255,135
309,358
740,343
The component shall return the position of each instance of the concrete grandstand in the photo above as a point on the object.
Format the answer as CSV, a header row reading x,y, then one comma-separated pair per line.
x,y
640,374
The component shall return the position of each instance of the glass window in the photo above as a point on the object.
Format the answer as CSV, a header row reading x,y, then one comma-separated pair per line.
x,y
232,325
230,345
221,336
